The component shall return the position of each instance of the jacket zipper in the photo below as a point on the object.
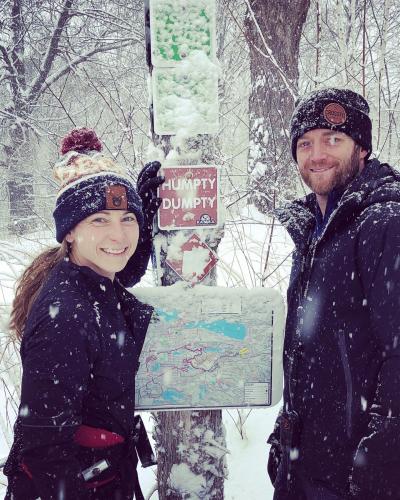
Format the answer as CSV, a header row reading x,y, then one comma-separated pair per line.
x,y
314,247
349,382
307,285
302,295
341,340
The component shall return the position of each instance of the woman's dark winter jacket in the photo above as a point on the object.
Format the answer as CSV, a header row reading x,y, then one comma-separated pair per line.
x,y
79,354
342,341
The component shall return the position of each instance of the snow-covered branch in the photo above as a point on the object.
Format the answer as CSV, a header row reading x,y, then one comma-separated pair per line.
x,y
81,59
116,22
10,73
51,52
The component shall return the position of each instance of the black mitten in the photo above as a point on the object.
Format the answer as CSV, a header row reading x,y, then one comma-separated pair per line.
x,y
147,184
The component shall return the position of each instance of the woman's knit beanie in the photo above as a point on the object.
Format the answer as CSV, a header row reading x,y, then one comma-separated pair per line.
x,y
90,182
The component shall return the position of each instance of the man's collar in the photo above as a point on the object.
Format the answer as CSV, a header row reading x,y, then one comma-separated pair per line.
x,y
333,201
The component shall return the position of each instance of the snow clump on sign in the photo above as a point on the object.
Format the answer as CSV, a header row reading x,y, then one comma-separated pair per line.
x,y
194,262
175,246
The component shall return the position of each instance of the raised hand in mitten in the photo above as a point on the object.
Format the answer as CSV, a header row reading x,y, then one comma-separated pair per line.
x,y
147,183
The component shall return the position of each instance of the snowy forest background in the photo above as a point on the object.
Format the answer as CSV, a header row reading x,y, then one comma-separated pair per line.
x,y
68,63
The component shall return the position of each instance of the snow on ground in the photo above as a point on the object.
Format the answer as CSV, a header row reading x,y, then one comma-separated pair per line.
x,y
243,253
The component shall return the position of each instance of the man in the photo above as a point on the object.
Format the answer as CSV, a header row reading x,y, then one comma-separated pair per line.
x,y
338,434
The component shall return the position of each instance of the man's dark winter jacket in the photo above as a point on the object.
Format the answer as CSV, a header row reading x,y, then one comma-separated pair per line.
x,y
343,331
79,354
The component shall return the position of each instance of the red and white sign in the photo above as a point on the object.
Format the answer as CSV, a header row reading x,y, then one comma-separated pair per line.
x,y
194,260
190,197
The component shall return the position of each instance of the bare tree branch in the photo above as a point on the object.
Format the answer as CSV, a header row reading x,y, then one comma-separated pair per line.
x,y
79,60
52,49
18,41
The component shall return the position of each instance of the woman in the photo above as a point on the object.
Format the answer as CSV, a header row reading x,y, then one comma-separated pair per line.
x,y
82,333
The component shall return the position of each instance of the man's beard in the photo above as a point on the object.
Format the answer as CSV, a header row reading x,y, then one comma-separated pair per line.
x,y
341,174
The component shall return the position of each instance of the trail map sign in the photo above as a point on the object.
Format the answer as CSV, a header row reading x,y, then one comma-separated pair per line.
x,y
190,197
211,347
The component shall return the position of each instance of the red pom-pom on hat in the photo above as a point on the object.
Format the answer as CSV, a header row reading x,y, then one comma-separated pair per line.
x,y
80,139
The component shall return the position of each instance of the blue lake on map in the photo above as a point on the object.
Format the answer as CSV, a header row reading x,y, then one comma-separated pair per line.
x,y
203,391
168,315
235,331
173,396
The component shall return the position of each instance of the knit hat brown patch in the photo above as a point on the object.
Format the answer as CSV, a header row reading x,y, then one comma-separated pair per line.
x,y
116,198
335,114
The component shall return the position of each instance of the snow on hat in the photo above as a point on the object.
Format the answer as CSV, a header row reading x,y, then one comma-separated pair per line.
x,y
336,109
89,182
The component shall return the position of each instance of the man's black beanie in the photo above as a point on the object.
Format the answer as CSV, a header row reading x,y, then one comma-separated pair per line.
x,y
336,109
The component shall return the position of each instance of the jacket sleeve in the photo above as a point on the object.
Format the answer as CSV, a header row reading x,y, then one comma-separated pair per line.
x,y
56,371
137,264
377,460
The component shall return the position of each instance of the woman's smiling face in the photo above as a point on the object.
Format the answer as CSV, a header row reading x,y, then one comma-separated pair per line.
x,y
104,241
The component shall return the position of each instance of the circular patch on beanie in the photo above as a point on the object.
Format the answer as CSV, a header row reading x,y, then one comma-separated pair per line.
x,y
335,113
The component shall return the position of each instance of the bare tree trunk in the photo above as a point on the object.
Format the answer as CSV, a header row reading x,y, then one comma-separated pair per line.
x,y
193,438
184,438
273,30
19,179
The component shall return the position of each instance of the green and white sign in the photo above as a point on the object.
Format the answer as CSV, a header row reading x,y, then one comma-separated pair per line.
x,y
180,28
185,69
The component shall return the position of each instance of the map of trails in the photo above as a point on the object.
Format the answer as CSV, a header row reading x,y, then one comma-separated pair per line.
x,y
211,347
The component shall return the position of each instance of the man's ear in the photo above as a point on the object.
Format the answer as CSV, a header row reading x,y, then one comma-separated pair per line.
x,y
363,153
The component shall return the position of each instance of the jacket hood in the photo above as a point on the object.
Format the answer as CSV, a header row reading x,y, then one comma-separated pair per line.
x,y
377,183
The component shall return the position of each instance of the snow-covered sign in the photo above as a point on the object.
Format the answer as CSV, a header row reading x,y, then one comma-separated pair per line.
x,y
185,70
193,260
180,27
190,197
186,97
211,347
